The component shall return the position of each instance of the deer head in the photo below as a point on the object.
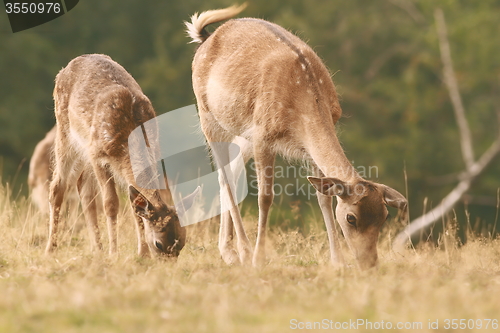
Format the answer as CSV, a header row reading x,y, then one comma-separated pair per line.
x,y
361,211
163,231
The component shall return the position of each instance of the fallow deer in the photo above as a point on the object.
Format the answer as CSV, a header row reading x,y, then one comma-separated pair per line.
x,y
258,83
40,171
97,105
40,175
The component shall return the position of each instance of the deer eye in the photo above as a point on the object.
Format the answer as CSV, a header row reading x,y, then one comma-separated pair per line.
x,y
159,246
351,219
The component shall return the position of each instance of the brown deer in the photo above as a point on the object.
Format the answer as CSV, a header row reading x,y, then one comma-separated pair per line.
x,y
97,105
40,175
40,171
258,83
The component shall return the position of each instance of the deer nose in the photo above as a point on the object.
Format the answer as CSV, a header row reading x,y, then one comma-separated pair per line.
x,y
159,246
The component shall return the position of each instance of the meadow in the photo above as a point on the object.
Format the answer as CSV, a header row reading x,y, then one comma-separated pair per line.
x,y
432,288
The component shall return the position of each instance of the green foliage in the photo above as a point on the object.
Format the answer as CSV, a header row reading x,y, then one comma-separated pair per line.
x,y
384,56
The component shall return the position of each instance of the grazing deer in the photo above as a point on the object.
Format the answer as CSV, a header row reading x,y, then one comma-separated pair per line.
x,y
97,105
257,83
40,175
40,171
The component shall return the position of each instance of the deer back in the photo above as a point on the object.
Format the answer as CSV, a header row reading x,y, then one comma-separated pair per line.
x,y
99,105
259,73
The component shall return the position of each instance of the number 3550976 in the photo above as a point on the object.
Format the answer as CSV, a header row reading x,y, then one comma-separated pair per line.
x,y
32,8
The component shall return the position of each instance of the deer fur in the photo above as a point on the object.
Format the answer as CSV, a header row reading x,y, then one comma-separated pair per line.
x,y
97,105
40,175
40,172
257,83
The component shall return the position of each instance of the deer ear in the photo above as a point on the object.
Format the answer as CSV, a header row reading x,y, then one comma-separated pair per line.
x,y
140,204
393,198
329,186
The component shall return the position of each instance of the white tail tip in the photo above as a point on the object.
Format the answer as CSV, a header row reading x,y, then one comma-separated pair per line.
x,y
195,28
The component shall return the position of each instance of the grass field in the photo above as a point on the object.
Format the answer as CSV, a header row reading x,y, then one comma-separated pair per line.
x,y
77,291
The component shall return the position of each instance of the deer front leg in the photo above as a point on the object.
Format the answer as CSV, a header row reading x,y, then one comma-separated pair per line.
x,y
110,201
325,203
264,168
142,246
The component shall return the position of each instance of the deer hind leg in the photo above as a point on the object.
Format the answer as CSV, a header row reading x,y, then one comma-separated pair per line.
x,y
226,234
218,138
226,222
67,169
229,202
264,168
110,202
326,205
88,191
56,197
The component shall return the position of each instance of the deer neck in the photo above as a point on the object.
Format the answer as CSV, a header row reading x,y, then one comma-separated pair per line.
x,y
327,153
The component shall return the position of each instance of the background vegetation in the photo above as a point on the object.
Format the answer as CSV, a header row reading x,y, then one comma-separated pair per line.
x,y
384,56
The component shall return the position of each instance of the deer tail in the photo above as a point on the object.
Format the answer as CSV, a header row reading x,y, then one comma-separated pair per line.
x,y
196,28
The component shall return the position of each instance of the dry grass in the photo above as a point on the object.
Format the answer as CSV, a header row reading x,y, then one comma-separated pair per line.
x,y
76,291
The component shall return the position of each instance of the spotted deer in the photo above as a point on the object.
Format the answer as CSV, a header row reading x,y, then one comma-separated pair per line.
x,y
40,175
257,83
97,105
40,171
